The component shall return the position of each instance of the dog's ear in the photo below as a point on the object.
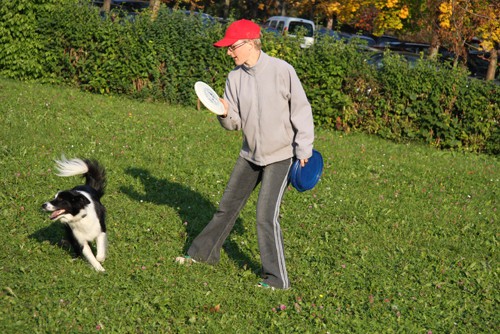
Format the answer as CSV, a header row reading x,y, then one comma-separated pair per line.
x,y
78,198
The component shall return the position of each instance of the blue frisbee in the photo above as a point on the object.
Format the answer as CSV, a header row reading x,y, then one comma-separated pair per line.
x,y
305,178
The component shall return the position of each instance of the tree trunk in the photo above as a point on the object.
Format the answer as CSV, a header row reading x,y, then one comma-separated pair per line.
x,y
154,5
106,6
283,8
434,49
253,8
329,23
492,66
227,6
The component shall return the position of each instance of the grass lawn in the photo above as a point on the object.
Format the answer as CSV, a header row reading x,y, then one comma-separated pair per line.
x,y
395,238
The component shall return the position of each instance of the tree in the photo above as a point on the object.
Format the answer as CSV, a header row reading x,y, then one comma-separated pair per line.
x,y
486,18
451,23
375,16
462,20
154,6
106,6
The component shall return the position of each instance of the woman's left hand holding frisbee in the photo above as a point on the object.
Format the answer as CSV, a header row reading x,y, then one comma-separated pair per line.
x,y
226,107
210,99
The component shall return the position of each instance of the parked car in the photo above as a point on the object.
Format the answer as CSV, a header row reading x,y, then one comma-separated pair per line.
x,y
271,30
415,48
205,18
405,46
346,37
125,5
478,63
290,26
125,10
384,39
478,60
377,59
337,35
364,40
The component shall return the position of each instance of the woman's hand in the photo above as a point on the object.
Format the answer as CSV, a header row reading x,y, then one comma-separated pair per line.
x,y
226,107
303,162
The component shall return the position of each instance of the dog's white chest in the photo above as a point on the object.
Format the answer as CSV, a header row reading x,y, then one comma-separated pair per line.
x,y
87,228
86,224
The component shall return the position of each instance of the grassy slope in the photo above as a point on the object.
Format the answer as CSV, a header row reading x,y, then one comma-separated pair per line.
x,y
396,238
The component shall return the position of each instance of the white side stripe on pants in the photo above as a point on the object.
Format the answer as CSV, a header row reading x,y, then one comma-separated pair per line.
x,y
278,238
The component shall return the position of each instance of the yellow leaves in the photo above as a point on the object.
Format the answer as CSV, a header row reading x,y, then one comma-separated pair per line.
x,y
387,21
334,7
343,10
444,23
487,45
390,15
489,27
354,7
461,18
331,8
391,3
446,10
495,34
445,7
489,35
404,12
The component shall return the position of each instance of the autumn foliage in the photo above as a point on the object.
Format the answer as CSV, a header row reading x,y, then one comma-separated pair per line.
x,y
449,23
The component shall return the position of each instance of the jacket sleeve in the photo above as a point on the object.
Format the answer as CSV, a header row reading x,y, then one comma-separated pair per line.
x,y
232,121
301,118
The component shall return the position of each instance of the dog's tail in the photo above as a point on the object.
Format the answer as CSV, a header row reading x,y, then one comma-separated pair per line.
x,y
94,173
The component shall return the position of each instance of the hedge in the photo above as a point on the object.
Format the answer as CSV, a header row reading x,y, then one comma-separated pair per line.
x,y
70,42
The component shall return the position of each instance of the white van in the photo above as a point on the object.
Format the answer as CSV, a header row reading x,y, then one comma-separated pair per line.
x,y
290,25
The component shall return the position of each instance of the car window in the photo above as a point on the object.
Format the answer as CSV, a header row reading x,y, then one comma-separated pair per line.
x,y
280,26
295,26
273,24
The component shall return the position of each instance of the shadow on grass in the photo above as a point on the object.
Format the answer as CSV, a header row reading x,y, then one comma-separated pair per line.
x,y
192,208
55,235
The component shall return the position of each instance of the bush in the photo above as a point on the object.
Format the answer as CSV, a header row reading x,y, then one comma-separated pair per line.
x,y
118,53
184,54
439,105
20,43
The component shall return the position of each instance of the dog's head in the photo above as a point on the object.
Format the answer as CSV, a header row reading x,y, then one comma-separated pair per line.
x,y
67,205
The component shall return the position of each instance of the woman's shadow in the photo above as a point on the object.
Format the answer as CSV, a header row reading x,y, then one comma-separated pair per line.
x,y
192,208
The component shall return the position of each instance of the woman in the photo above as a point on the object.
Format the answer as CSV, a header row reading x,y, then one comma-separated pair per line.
x,y
264,99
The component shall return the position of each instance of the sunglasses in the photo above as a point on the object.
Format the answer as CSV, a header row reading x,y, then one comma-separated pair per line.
x,y
234,47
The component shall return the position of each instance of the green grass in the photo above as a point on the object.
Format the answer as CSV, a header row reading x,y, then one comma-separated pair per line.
x,y
395,238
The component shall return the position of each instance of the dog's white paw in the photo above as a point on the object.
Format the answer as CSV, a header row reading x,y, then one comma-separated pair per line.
x,y
99,268
100,258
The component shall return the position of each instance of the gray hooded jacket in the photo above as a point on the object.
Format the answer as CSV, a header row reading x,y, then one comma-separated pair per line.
x,y
267,102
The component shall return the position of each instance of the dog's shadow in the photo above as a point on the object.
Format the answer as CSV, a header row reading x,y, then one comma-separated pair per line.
x,y
193,208
55,235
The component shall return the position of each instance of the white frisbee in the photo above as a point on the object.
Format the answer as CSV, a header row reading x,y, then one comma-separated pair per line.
x,y
209,98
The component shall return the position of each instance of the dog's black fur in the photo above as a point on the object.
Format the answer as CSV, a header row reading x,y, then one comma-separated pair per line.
x,y
81,210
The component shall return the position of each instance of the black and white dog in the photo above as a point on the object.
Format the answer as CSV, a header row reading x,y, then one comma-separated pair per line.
x,y
80,209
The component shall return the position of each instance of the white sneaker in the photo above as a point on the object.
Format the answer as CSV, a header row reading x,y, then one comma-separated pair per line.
x,y
186,259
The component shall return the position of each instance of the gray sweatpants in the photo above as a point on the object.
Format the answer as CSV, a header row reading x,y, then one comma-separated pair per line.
x,y
244,178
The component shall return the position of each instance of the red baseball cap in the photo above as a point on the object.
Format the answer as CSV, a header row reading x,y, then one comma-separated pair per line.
x,y
241,29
